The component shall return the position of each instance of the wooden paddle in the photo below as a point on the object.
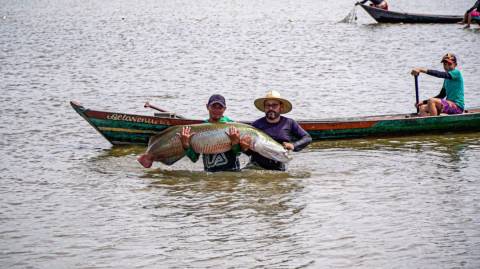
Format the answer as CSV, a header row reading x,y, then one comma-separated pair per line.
x,y
148,105
416,92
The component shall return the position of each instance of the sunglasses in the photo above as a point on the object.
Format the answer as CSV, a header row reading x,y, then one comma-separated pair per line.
x,y
275,105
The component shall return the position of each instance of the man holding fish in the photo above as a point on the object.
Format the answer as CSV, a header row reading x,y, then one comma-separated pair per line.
x,y
224,161
220,140
282,129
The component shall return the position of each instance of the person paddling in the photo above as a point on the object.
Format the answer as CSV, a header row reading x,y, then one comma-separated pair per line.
x,y
472,13
376,3
450,100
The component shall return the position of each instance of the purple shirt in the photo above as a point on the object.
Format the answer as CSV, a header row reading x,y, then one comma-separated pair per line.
x,y
286,130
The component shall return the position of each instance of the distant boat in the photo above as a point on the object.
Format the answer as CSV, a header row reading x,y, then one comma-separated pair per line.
x,y
125,129
385,16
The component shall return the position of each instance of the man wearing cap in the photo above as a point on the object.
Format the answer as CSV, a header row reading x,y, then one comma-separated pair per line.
x,y
226,161
284,130
450,100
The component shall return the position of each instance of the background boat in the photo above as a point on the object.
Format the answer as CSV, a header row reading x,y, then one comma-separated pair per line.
x,y
386,16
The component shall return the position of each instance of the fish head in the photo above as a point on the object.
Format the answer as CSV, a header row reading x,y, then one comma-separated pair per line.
x,y
273,151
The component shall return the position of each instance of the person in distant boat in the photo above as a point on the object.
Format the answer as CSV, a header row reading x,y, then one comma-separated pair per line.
x,y
450,100
376,3
284,130
226,161
472,13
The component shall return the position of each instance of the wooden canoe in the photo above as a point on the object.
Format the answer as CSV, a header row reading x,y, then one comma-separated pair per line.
x,y
124,129
385,16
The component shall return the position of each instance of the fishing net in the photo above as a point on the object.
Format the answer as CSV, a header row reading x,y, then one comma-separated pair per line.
x,y
351,16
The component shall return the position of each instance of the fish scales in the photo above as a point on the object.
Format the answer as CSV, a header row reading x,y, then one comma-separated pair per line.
x,y
211,141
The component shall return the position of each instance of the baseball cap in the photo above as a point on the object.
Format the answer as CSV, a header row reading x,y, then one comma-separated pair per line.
x,y
217,99
449,57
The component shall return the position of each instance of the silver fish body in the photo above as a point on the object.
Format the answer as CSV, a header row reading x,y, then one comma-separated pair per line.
x,y
209,138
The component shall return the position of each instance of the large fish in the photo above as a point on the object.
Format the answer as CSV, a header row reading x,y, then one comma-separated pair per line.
x,y
208,138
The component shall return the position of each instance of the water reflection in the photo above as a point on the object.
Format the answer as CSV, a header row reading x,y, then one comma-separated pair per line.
x,y
450,148
247,211
120,151
257,192
399,142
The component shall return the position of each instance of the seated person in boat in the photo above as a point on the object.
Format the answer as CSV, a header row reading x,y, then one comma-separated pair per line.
x,y
226,161
376,3
450,100
472,13
284,130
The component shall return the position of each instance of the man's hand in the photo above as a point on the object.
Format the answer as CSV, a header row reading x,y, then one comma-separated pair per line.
x,y
245,142
288,146
185,136
234,135
417,71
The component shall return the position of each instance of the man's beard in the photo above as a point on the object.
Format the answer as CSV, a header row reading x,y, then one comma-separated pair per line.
x,y
271,115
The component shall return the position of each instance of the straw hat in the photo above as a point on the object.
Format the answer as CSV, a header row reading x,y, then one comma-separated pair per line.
x,y
273,95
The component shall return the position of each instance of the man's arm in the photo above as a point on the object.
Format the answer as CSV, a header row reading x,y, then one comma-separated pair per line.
x,y
299,132
302,142
192,155
439,74
435,73
442,94
475,6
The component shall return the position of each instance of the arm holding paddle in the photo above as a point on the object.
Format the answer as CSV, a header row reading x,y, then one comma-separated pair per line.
x,y
416,72
430,107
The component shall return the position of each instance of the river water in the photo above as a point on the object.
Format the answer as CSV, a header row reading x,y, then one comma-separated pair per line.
x,y
68,199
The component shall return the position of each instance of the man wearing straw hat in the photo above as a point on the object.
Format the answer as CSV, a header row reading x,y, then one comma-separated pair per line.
x,y
284,130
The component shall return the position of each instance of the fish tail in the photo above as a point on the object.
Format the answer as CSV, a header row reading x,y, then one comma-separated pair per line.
x,y
145,160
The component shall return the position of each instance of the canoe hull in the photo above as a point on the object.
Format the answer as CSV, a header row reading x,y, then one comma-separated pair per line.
x,y
125,129
385,16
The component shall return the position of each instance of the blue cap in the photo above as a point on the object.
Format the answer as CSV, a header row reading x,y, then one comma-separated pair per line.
x,y
216,99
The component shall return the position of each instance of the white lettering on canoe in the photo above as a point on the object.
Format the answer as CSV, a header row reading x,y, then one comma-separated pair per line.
x,y
138,119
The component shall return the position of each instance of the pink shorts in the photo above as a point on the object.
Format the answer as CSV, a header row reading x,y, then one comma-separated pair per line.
x,y
475,13
449,108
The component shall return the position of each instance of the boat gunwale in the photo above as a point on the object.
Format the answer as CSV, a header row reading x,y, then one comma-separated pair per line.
x,y
321,129
373,118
